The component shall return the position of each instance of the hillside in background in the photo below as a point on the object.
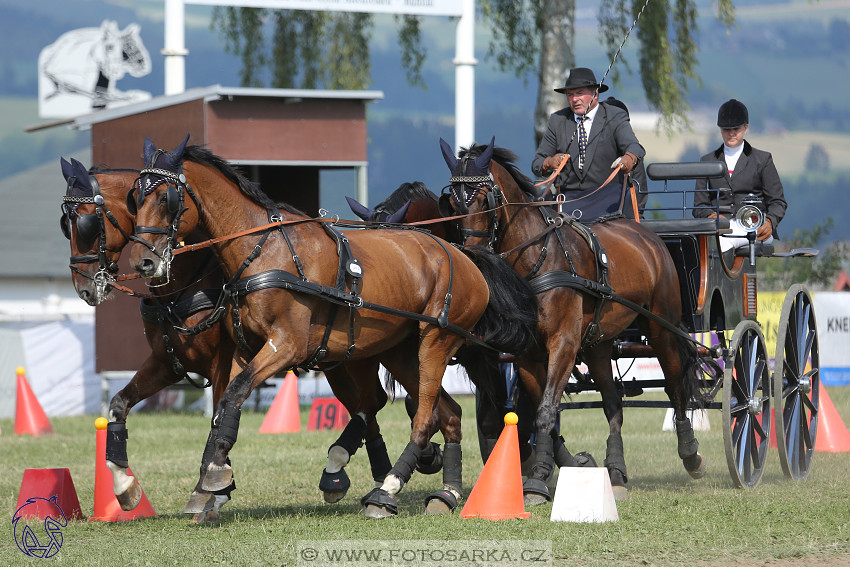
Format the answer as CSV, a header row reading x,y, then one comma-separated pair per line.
x,y
788,61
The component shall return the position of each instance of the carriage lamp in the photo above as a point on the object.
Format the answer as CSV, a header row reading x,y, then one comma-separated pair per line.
x,y
750,217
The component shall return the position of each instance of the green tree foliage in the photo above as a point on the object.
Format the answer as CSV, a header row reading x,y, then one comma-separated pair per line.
x,y
310,49
819,272
666,30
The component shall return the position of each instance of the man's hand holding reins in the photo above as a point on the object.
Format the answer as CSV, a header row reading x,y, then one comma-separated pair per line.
x,y
551,163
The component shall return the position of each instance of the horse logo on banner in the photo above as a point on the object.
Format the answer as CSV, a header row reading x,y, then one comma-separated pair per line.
x,y
77,73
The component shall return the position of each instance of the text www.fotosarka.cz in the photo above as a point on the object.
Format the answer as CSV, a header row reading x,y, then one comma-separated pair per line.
x,y
432,553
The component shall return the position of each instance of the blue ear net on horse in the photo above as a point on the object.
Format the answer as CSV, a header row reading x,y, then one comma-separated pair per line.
x,y
466,171
364,213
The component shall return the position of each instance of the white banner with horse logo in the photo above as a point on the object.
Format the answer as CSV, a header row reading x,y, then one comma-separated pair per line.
x,y
77,73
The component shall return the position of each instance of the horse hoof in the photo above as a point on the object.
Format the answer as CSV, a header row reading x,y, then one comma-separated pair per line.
x,y
534,500
377,512
217,477
379,504
199,502
209,517
535,492
695,465
440,502
334,486
618,484
620,493
130,498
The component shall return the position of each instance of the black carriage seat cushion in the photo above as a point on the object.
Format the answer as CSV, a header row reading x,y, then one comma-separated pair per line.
x,y
685,170
688,226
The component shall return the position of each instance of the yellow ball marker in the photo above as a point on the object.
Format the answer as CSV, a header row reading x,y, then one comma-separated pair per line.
x,y
511,418
101,423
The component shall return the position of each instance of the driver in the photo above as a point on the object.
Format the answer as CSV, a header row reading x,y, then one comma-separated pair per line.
x,y
748,171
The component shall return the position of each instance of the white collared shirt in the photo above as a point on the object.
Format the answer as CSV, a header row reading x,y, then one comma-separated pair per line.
x,y
731,155
588,121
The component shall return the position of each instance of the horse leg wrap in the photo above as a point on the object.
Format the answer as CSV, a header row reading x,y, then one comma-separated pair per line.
x,y
445,500
379,460
431,459
615,457
209,449
688,444
563,458
227,421
542,469
406,463
116,444
351,437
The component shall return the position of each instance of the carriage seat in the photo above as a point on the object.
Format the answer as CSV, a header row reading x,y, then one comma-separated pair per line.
x,y
688,226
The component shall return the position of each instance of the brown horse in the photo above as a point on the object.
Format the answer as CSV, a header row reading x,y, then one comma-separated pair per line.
x,y
577,317
303,294
96,221
178,328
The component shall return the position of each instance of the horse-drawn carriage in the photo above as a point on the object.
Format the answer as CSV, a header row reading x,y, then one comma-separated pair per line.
x,y
719,297
294,291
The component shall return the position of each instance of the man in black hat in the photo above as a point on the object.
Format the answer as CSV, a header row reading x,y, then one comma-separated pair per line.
x,y
748,171
594,139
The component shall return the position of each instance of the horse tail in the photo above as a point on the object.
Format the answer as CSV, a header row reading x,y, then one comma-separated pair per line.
x,y
509,324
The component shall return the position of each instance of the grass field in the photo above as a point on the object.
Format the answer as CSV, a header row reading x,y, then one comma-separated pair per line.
x,y
668,518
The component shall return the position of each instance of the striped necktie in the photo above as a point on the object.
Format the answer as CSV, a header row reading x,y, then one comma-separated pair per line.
x,y
582,141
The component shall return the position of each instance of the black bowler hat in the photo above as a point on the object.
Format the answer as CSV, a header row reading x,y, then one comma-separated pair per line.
x,y
732,114
581,77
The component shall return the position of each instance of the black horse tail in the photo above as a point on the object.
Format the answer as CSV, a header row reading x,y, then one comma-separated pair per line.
x,y
509,324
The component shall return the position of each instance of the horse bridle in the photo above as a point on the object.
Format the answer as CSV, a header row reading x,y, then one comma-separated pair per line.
x,y
148,181
89,227
465,190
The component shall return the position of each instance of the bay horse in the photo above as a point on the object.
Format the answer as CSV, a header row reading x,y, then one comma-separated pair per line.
x,y
578,318
408,302
178,326
98,226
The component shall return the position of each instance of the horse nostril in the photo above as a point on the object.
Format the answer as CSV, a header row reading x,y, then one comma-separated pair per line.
x,y
146,267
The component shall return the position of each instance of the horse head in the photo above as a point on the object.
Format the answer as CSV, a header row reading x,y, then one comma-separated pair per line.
x,y
122,51
96,225
158,201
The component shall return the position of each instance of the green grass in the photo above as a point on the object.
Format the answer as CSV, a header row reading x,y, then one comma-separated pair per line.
x,y
668,518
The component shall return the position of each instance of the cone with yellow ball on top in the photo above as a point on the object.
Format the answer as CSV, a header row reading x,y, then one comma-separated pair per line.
x,y
106,506
497,494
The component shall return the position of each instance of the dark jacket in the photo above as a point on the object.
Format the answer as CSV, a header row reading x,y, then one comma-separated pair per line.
x,y
754,173
610,137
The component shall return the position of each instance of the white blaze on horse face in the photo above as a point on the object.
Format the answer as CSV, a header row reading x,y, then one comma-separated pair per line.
x,y
271,344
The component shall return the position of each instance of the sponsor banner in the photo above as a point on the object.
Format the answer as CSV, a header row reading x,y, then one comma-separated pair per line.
x,y
832,311
411,7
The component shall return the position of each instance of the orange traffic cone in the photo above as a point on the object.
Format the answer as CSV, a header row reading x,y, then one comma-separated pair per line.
x,y
42,489
497,494
106,507
30,418
833,436
284,415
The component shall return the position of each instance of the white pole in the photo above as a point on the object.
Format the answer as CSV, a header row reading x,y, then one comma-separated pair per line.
x,y
465,76
175,47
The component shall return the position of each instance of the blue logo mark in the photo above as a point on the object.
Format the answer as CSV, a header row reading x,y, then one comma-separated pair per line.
x,y
35,538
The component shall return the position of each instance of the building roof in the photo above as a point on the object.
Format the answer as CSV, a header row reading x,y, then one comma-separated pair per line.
x,y
31,244
217,92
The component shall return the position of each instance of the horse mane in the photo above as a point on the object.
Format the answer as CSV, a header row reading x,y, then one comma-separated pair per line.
x,y
405,192
251,189
506,158
102,169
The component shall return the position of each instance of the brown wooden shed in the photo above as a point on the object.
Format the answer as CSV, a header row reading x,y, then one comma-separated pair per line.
x,y
282,138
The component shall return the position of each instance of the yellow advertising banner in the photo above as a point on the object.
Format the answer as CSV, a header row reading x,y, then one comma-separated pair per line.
x,y
769,311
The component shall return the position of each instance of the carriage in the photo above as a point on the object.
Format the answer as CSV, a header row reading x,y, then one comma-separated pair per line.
x,y
719,297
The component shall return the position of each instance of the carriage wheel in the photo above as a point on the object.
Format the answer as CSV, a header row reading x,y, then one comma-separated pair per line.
x,y
746,405
796,383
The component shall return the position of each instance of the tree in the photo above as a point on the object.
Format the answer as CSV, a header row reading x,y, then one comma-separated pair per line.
x,y
543,31
311,49
817,160
331,48
777,274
